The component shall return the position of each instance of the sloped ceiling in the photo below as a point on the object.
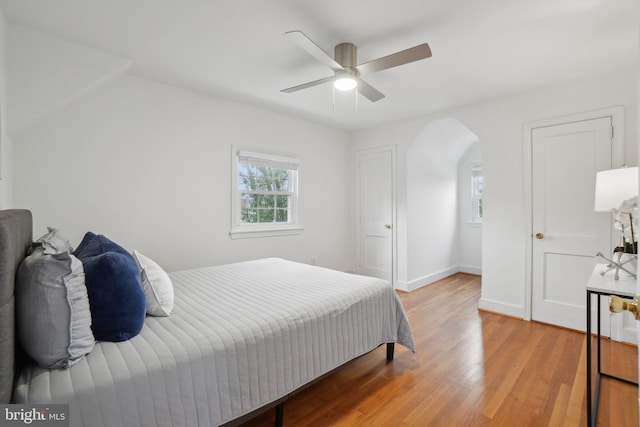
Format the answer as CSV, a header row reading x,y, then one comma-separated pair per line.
x,y
236,49
47,73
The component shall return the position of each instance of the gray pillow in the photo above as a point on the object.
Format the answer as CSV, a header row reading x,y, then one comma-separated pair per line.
x,y
52,307
53,242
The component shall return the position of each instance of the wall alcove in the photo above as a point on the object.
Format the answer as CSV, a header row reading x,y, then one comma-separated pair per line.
x,y
439,240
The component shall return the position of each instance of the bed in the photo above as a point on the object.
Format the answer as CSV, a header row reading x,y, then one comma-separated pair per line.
x,y
242,338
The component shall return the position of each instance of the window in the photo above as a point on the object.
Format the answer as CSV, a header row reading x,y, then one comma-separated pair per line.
x,y
265,193
476,193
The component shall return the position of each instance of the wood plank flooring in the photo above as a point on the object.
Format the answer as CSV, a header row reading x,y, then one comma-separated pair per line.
x,y
471,368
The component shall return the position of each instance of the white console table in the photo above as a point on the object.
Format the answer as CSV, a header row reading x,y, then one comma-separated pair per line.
x,y
602,286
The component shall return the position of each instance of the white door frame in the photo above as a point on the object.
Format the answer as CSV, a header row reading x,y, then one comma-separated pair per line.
x,y
617,160
394,191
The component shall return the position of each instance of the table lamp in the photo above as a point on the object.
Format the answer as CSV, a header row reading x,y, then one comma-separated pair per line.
x,y
613,187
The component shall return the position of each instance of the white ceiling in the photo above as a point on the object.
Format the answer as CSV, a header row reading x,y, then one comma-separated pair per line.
x,y
482,49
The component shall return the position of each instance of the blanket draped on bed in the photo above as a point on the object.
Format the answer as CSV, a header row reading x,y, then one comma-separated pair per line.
x,y
240,336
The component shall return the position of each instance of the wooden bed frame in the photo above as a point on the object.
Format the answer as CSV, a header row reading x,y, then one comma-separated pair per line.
x,y
16,237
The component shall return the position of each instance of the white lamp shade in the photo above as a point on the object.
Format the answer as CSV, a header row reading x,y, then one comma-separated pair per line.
x,y
614,186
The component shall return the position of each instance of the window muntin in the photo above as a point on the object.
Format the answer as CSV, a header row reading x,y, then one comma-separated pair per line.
x,y
266,194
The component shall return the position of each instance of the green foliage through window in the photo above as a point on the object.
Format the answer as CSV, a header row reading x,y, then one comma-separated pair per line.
x,y
265,193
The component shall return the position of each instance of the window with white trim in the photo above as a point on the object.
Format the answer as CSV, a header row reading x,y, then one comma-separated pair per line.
x,y
265,195
477,185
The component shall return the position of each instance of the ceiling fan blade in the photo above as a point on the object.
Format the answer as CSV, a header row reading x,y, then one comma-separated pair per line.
x,y
406,56
368,91
306,85
312,49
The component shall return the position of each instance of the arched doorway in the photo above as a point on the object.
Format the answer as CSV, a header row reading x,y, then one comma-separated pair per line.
x,y
436,163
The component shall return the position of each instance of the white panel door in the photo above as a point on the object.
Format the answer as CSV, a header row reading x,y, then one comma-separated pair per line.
x,y
567,231
375,214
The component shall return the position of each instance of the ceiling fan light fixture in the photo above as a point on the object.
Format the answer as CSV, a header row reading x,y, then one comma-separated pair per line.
x,y
345,83
345,66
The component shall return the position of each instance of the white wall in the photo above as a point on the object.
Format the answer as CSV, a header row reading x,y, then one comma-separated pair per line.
x,y
469,234
6,145
149,166
498,124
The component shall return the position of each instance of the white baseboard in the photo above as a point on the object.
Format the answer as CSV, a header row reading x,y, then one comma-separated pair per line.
x,y
430,278
470,269
401,285
501,307
434,277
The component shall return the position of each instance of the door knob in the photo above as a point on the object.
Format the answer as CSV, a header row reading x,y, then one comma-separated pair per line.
x,y
387,226
539,236
617,305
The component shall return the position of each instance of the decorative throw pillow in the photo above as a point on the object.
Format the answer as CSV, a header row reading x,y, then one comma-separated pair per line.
x,y
96,244
52,306
53,242
158,289
114,285
88,237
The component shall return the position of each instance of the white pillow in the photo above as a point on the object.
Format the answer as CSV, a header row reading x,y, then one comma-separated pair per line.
x,y
158,289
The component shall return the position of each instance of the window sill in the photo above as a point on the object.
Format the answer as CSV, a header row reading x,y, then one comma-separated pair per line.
x,y
472,224
255,232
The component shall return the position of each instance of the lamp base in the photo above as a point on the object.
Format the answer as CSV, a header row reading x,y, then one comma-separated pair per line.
x,y
618,265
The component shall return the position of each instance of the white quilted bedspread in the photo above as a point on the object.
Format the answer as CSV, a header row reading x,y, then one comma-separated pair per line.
x,y
240,336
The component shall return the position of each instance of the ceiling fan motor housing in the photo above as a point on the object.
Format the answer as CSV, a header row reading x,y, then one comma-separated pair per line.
x,y
346,54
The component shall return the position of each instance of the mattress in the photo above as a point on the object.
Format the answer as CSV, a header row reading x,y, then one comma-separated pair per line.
x,y
240,336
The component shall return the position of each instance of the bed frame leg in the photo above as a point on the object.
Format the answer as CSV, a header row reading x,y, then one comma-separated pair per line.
x,y
279,414
390,348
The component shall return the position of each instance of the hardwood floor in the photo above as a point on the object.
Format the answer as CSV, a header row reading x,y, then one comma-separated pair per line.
x,y
471,368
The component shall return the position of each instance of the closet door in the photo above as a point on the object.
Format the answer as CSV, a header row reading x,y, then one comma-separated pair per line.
x,y
567,233
375,216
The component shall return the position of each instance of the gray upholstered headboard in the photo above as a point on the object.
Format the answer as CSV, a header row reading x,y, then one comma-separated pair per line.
x,y
16,234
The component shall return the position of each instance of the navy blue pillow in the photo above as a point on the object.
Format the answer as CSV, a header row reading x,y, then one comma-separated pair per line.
x,y
95,244
89,236
114,285
116,297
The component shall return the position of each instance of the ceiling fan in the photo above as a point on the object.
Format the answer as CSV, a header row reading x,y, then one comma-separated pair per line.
x,y
346,72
